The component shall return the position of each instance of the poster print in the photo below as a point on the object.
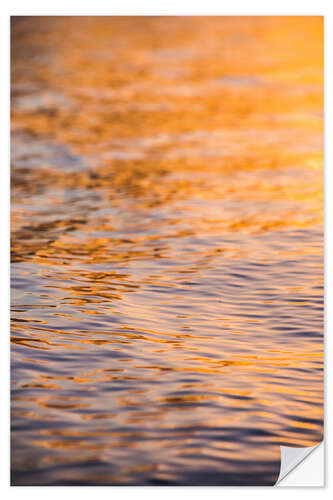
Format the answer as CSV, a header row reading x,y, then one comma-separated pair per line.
x,y
167,248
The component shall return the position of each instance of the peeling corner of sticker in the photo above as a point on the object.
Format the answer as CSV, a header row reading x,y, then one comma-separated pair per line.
x,y
291,457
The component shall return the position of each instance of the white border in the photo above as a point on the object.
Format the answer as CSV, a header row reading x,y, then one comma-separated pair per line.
x,y
172,7
146,7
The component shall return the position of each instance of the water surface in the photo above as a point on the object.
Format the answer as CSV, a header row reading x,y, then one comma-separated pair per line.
x,y
167,241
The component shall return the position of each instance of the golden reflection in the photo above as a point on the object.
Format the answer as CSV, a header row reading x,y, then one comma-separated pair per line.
x,y
167,248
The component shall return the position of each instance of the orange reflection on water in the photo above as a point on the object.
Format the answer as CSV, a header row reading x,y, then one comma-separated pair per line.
x,y
167,240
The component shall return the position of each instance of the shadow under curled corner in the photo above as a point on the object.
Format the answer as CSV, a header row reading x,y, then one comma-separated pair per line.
x,y
293,457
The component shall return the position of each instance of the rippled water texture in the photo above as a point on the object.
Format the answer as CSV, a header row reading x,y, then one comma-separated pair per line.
x,y
167,248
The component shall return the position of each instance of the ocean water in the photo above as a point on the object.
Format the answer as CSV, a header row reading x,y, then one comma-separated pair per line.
x,y
167,248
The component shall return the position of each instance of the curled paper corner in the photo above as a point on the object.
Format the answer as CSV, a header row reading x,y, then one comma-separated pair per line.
x,y
291,457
